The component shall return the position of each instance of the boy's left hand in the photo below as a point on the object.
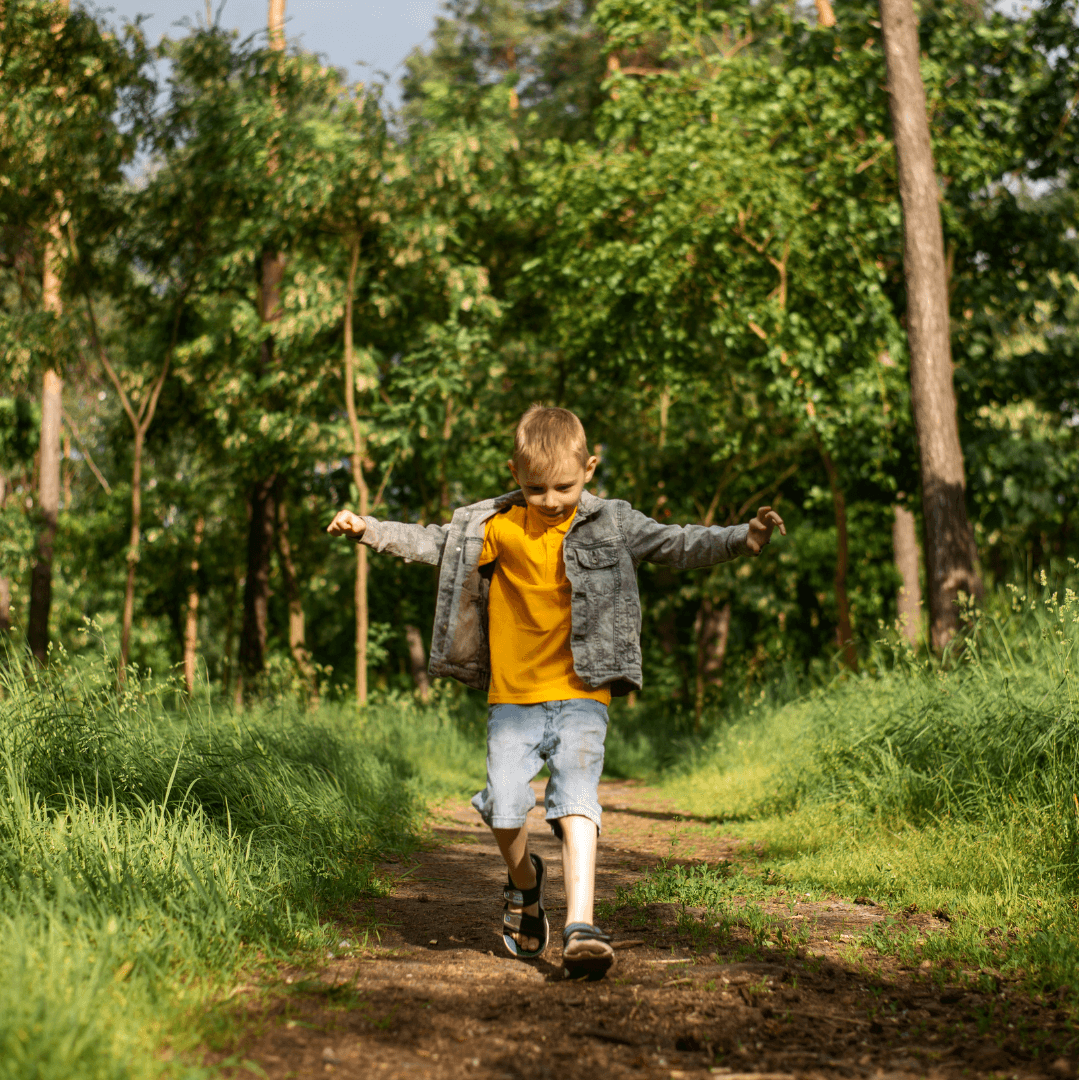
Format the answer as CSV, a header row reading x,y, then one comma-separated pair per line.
x,y
761,528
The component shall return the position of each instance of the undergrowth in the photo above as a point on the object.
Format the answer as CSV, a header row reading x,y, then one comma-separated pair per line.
x,y
150,852
948,784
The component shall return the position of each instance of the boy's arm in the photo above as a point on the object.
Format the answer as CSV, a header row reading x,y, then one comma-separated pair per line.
x,y
418,543
688,546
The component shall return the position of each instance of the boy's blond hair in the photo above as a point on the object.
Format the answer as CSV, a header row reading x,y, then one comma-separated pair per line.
x,y
545,436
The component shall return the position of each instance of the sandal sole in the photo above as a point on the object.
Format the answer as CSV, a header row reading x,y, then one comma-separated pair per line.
x,y
590,966
516,951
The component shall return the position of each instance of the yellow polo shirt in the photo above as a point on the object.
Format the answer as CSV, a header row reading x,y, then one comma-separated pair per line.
x,y
529,612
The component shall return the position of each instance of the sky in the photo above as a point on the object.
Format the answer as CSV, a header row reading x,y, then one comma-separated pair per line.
x,y
348,33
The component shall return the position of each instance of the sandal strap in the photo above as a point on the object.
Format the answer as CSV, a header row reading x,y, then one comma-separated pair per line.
x,y
584,931
529,925
525,897
521,897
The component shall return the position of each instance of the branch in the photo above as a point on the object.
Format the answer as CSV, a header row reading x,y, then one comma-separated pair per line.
x,y
86,453
737,516
104,358
150,404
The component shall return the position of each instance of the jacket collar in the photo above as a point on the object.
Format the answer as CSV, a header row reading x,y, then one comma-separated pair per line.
x,y
588,505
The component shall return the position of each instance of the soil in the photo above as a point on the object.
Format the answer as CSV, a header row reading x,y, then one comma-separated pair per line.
x,y
423,987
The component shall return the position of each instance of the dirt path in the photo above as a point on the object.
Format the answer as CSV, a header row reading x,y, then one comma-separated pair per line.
x,y
436,995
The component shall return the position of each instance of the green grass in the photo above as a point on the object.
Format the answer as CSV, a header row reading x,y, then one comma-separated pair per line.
x,y
151,853
948,785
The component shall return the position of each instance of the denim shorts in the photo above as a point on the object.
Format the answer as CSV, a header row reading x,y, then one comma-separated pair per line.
x,y
568,735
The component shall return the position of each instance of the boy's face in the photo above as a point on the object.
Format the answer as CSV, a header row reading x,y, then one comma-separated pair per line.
x,y
556,493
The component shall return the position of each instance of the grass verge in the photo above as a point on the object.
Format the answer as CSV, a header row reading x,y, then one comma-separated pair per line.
x,y
152,856
950,786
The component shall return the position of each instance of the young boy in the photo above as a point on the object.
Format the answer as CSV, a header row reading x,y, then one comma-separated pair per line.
x,y
538,604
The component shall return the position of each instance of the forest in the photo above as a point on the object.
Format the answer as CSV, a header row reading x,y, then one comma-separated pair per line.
x,y
684,226
238,294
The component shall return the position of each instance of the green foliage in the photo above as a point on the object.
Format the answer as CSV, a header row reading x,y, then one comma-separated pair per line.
x,y
151,852
951,787
679,220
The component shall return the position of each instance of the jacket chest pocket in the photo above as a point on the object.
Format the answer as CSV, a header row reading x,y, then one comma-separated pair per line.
x,y
601,568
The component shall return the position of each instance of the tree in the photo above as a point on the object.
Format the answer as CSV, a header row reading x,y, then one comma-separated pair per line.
x,y
951,561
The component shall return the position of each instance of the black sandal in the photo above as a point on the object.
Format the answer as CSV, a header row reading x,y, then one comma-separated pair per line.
x,y
517,922
587,951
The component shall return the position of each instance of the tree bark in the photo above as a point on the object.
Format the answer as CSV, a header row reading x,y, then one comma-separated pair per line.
x,y
906,557
5,585
950,544
134,540
844,637
191,622
713,626
360,591
418,662
48,506
252,658
275,24
297,624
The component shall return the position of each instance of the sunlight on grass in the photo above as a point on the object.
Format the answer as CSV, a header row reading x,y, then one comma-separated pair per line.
x,y
951,787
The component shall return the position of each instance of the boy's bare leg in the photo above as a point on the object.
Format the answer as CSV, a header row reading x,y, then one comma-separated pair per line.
x,y
579,867
514,846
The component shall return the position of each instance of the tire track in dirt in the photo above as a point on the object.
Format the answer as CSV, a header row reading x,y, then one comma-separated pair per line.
x,y
436,996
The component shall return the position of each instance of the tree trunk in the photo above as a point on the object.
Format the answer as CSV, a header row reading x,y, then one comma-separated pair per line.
x,y
360,591
132,552
66,468
230,626
275,23
906,556
297,626
950,543
844,636
5,585
49,507
712,628
418,662
252,658
191,622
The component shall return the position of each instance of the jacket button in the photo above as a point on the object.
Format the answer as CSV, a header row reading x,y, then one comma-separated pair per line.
x,y
457,549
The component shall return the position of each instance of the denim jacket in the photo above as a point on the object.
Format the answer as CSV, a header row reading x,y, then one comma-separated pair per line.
x,y
602,550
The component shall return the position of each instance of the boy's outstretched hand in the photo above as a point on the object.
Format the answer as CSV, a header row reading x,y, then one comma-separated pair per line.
x,y
346,523
761,528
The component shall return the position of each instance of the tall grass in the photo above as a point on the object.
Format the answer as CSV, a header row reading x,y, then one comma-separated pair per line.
x,y
149,853
948,784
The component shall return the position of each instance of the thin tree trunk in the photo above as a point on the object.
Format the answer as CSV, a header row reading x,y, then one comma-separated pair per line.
x,y
712,627
360,592
252,658
844,636
191,622
444,480
48,507
297,625
5,585
906,556
950,543
140,423
66,470
132,552
252,651
275,24
418,662
230,626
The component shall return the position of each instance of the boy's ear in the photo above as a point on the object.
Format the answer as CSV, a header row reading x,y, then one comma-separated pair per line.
x,y
513,471
590,467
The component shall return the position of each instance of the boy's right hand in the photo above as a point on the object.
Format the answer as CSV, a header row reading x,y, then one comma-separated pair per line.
x,y
346,523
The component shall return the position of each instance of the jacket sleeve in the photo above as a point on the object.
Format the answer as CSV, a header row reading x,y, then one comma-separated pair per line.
x,y
417,543
681,546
